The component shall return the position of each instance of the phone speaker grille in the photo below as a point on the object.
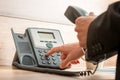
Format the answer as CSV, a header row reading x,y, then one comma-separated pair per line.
x,y
27,60
24,47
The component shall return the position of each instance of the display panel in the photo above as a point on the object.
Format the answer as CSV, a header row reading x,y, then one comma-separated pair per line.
x,y
46,35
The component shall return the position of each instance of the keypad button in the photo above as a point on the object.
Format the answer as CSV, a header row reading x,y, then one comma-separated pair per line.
x,y
53,59
42,58
41,55
52,55
45,51
49,62
49,45
47,58
43,62
54,63
40,51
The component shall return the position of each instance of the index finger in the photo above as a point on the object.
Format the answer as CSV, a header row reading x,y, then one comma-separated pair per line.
x,y
53,50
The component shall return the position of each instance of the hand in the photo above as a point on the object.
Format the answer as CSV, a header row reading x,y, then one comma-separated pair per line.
x,y
70,54
82,25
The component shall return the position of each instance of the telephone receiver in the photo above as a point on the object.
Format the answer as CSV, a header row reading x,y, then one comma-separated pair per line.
x,y
73,12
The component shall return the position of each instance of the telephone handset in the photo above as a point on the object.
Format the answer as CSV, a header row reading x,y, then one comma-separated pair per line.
x,y
34,44
73,12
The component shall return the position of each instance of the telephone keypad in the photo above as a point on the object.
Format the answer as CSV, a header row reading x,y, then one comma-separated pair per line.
x,y
53,60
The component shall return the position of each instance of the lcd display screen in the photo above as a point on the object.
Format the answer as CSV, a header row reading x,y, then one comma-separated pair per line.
x,y
45,35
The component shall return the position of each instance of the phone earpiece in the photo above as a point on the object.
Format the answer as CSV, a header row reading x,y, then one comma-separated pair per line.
x,y
73,12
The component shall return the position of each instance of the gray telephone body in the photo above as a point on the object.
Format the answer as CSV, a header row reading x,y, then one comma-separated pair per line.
x,y
32,46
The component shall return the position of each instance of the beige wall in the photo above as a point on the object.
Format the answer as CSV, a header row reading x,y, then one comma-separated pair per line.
x,y
49,10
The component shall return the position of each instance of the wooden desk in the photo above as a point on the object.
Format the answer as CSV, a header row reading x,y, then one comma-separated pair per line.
x,y
7,73
10,73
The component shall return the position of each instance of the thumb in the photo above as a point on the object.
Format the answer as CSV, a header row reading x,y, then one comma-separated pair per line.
x,y
91,14
65,62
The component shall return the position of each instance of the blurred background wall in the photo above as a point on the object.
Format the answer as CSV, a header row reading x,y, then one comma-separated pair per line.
x,y
49,10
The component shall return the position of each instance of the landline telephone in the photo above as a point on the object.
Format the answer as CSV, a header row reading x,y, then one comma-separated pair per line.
x,y
32,46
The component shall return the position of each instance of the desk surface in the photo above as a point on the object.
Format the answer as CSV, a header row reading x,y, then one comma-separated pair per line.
x,y
11,73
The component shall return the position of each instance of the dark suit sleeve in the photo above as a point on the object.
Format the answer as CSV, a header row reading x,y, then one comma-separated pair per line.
x,y
103,36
